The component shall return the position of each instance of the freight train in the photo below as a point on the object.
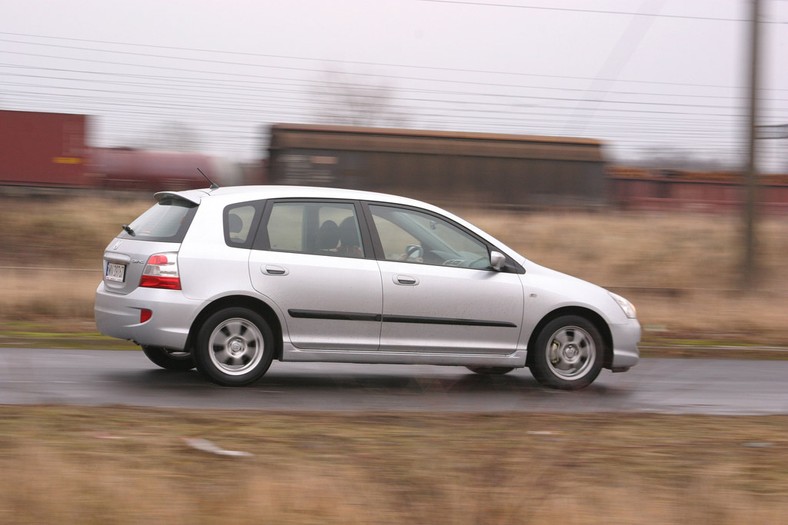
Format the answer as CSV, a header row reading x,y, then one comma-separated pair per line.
x,y
491,170
480,168
50,150
522,172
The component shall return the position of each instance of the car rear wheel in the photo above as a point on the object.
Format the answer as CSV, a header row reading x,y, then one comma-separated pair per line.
x,y
235,347
490,370
169,359
569,353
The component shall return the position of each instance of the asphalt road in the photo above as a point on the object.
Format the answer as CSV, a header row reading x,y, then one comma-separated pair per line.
x,y
676,386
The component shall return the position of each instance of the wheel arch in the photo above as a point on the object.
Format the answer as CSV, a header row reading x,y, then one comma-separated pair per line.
x,y
593,317
243,301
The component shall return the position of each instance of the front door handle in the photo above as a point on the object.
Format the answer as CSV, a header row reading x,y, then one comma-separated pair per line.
x,y
405,280
270,269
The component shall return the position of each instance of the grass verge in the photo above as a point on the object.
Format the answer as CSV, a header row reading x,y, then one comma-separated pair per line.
x,y
82,334
60,333
680,269
123,465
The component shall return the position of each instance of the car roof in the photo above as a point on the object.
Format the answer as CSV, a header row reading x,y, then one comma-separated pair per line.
x,y
287,192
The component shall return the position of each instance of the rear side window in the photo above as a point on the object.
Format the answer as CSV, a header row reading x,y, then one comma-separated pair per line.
x,y
286,227
319,228
240,222
166,221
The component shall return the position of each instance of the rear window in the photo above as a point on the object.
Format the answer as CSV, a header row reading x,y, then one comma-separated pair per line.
x,y
166,221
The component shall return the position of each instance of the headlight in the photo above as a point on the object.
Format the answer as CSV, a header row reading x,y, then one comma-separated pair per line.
x,y
626,306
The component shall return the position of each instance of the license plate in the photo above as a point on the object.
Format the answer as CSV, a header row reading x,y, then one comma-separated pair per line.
x,y
116,272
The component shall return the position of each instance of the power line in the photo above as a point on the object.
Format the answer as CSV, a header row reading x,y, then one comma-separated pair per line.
x,y
587,11
235,84
237,101
352,62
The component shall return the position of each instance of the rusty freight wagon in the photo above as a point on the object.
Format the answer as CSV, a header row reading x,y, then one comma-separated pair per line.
x,y
448,167
42,149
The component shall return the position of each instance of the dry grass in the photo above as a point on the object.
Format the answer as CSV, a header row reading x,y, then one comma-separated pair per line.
x,y
41,294
132,466
681,270
662,250
58,232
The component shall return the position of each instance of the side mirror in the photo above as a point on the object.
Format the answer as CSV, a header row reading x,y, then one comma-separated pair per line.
x,y
497,260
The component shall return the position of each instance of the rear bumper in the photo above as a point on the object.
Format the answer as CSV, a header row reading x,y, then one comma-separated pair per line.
x,y
172,316
625,345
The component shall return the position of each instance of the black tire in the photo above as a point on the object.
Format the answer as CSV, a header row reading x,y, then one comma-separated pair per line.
x,y
169,360
490,370
234,347
569,353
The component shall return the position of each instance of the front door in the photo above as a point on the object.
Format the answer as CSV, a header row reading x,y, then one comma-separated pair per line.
x,y
439,293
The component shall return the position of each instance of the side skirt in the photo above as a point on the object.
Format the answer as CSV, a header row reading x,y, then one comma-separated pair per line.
x,y
291,353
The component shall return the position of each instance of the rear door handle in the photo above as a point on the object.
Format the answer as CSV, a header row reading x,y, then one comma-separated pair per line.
x,y
406,280
270,269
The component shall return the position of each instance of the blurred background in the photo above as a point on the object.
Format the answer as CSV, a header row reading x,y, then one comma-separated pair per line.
x,y
663,83
610,140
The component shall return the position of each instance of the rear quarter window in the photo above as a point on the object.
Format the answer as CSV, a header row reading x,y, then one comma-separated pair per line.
x,y
240,223
166,221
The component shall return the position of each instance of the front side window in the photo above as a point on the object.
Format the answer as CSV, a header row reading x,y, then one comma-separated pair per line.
x,y
166,221
413,236
319,228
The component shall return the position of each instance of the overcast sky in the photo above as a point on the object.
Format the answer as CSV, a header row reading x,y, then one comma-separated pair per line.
x,y
642,75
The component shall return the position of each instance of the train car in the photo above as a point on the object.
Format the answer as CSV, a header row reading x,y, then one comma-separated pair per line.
x,y
634,188
449,167
137,169
42,149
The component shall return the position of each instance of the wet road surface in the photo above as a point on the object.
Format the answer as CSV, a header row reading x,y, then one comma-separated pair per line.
x,y
675,386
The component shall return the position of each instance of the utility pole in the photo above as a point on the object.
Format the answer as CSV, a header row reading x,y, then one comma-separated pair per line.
x,y
750,262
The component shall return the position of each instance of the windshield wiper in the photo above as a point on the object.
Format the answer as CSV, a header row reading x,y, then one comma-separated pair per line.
x,y
128,230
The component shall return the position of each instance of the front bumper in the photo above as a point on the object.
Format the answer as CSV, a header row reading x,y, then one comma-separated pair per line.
x,y
625,345
172,316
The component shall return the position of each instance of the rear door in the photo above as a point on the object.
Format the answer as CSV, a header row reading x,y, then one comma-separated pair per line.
x,y
309,259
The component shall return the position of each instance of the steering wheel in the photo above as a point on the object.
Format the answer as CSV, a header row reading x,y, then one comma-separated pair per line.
x,y
413,251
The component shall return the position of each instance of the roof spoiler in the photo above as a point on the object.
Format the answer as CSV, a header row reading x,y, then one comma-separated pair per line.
x,y
193,196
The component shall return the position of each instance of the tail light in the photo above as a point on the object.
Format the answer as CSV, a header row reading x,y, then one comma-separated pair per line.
x,y
161,271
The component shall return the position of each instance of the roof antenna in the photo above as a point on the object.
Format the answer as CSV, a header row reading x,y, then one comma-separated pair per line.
x,y
213,184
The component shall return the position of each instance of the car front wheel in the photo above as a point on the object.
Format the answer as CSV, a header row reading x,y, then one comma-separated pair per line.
x,y
235,347
169,360
569,353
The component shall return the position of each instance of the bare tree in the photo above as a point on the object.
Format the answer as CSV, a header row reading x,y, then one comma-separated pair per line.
x,y
340,98
172,136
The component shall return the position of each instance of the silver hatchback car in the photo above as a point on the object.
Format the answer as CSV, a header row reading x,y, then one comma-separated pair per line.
x,y
229,279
